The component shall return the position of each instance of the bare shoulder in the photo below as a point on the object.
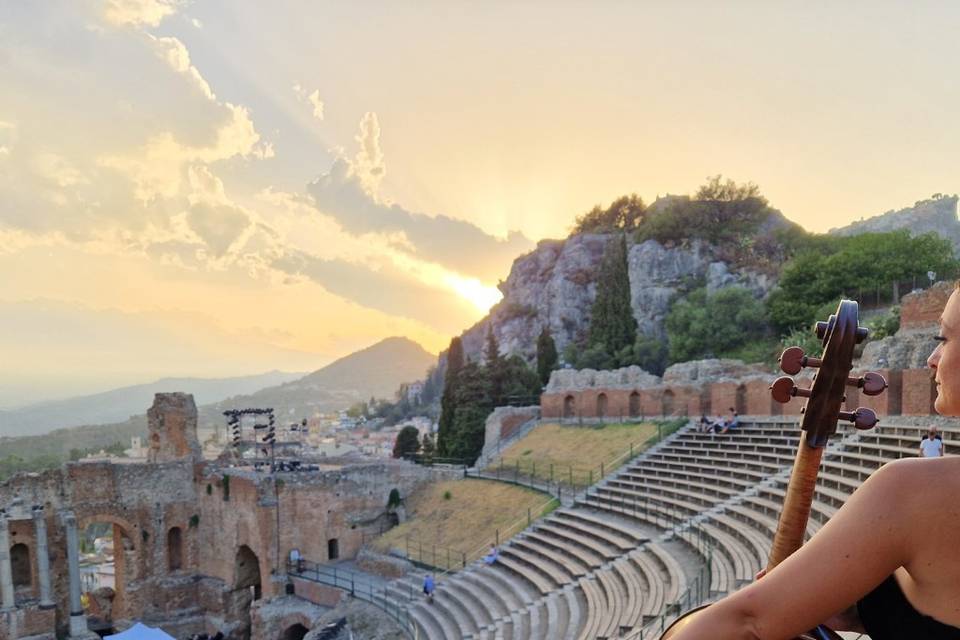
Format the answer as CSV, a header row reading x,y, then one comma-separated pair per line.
x,y
915,483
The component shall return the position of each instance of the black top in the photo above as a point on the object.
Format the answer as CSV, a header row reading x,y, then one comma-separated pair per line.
x,y
886,613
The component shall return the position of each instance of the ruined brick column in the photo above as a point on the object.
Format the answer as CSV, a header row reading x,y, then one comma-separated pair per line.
x,y
172,428
6,573
43,557
78,620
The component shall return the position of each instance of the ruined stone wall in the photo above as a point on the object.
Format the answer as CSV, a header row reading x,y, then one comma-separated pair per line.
x,y
923,308
179,524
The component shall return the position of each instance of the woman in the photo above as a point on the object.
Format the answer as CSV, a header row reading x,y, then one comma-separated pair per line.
x,y
887,563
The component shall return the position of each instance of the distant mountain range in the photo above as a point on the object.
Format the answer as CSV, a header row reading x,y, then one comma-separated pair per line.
x,y
120,404
376,371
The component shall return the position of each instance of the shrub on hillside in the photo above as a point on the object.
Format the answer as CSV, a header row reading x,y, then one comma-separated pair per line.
x,y
407,442
623,214
850,265
718,325
721,212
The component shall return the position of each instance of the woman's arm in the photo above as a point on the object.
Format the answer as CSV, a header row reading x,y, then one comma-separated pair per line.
x,y
864,542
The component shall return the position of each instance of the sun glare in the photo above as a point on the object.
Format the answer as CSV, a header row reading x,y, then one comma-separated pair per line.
x,y
478,294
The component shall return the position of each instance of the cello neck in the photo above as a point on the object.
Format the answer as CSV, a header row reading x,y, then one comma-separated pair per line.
x,y
792,526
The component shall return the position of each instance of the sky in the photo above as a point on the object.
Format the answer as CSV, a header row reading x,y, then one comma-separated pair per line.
x,y
225,187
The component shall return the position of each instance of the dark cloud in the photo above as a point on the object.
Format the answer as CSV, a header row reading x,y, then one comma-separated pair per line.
x,y
384,290
218,225
455,244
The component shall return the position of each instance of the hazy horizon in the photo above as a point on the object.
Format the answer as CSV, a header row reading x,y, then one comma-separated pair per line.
x,y
214,188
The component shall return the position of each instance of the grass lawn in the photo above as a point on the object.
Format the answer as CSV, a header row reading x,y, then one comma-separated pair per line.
x,y
465,522
573,449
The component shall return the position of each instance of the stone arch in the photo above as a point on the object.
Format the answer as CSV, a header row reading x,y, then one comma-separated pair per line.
x,y
667,402
602,405
175,549
295,631
126,562
634,404
126,527
740,405
20,565
569,407
247,571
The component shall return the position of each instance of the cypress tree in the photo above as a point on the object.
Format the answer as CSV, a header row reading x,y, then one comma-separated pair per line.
x,y
494,368
546,355
448,399
473,405
612,324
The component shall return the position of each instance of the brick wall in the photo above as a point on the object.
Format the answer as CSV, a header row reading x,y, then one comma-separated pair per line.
x,y
923,308
918,393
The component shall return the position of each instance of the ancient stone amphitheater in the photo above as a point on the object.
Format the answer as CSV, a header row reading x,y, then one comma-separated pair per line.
x,y
689,519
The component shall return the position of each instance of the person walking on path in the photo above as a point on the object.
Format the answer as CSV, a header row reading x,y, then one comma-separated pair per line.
x,y
428,587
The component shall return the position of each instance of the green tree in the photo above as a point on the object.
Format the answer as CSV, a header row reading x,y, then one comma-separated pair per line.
x,y
493,363
448,405
612,323
520,381
546,355
851,265
596,357
624,214
715,325
650,354
473,404
407,442
721,212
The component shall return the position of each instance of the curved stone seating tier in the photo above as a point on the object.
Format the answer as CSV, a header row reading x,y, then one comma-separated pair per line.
x,y
590,572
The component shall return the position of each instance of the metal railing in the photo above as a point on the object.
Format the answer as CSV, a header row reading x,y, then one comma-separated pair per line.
x,y
557,479
693,596
448,560
358,586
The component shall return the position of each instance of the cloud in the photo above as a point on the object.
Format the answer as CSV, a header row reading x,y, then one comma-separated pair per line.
x,y
219,226
139,13
8,137
455,244
313,99
368,165
385,289
175,53
157,168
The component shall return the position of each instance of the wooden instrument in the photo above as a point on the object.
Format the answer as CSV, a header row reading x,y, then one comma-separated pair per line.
x,y
825,398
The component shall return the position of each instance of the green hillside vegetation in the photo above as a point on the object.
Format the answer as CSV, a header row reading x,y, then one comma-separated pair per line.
x,y
741,228
51,450
462,516
573,451
472,390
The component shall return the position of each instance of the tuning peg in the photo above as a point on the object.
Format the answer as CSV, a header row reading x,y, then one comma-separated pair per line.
x,y
822,327
793,359
861,418
783,389
871,382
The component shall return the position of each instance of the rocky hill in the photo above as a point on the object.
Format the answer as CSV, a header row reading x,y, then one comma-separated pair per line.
x,y
554,285
937,215
376,371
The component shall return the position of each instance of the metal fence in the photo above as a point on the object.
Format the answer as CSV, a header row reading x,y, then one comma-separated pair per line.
x,y
448,560
358,586
558,479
